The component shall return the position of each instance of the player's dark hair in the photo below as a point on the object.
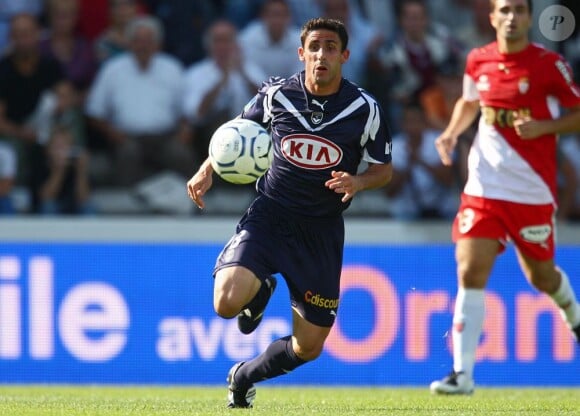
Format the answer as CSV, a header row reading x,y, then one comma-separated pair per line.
x,y
333,25
492,6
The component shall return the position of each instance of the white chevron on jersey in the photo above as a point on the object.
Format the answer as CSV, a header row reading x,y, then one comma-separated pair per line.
x,y
267,104
287,104
372,128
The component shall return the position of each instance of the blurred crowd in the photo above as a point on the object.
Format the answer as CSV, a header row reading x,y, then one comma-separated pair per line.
x,y
120,97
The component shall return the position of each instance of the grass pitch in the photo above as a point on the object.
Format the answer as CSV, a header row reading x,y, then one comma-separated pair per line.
x,y
287,401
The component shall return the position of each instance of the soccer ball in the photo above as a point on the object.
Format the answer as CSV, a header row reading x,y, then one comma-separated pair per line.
x,y
240,151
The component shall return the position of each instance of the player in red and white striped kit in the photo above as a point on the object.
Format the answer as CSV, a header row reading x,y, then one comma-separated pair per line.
x,y
519,88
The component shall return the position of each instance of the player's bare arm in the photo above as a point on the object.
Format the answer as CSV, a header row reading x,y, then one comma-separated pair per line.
x,y
376,176
200,183
464,112
529,128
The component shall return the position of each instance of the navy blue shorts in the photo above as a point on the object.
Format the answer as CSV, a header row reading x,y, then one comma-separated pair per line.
x,y
306,251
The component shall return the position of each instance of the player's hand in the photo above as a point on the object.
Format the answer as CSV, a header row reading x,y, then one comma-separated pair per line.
x,y
528,128
343,183
200,183
445,144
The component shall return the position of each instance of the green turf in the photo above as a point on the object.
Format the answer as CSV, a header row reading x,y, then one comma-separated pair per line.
x,y
286,401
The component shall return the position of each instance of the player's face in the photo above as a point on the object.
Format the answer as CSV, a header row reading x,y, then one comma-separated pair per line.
x,y
511,19
323,59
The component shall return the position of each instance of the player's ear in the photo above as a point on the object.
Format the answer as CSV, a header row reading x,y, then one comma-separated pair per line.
x,y
345,55
301,53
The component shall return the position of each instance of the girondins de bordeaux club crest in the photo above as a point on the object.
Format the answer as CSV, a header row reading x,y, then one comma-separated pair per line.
x,y
316,117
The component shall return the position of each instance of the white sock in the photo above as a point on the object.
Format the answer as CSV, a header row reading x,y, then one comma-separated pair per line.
x,y
467,326
565,299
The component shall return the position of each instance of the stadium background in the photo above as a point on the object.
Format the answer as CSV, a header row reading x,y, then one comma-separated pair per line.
x,y
128,301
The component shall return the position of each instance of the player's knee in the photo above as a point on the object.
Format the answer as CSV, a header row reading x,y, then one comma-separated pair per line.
x,y
225,307
467,278
471,275
544,281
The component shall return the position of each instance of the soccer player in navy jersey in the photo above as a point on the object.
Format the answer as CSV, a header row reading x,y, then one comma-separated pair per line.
x,y
322,127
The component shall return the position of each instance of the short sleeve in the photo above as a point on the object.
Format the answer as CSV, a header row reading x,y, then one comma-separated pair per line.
x,y
562,82
470,92
259,108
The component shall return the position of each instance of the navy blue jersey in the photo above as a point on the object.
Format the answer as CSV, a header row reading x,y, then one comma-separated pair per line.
x,y
314,135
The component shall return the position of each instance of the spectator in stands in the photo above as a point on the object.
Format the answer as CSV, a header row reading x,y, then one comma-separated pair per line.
x,y
479,31
114,40
217,87
567,186
453,15
422,188
415,57
272,41
11,8
24,76
304,10
571,51
381,14
364,39
240,13
62,180
438,100
570,47
184,23
8,165
93,18
135,105
74,52
569,178
59,106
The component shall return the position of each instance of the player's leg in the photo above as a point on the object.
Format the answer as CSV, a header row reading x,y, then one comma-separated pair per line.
x,y
237,291
475,258
311,263
533,236
243,271
281,357
234,287
550,279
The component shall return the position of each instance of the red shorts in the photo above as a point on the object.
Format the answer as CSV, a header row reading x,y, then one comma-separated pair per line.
x,y
530,227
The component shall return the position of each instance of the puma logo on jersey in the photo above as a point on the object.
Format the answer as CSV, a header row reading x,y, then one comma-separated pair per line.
x,y
310,152
319,104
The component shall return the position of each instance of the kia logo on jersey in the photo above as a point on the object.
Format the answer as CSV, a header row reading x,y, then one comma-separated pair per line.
x,y
310,152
